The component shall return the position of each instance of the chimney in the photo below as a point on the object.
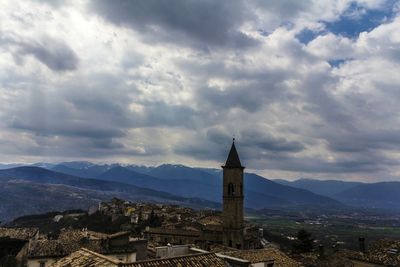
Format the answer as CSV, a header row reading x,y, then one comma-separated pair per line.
x,y
261,232
361,244
321,251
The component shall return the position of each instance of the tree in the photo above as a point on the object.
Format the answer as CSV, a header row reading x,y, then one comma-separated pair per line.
x,y
304,242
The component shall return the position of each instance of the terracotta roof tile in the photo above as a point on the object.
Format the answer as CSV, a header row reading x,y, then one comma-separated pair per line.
x,y
262,255
85,258
70,241
385,252
180,232
18,233
195,260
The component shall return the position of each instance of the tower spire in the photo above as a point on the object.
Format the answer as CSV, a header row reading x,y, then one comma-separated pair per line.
x,y
232,201
233,160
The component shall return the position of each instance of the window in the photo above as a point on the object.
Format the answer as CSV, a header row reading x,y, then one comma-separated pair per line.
x,y
269,265
42,263
231,189
230,243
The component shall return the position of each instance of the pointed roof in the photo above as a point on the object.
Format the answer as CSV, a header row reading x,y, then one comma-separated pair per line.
x,y
233,160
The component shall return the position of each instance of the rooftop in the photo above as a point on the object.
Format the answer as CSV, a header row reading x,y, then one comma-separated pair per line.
x,y
178,232
85,257
18,233
70,241
194,260
385,252
263,255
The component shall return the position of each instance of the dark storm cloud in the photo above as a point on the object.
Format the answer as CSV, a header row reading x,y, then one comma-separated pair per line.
x,y
251,90
158,113
317,165
256,139
362,141
209,22
83,128
215,142
52,52
90,115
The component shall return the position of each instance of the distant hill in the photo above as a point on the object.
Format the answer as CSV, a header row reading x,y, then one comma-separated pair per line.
x,y
10,165
322,187
170,183
384,195
207,184
20,197
82,169
34,186
209,189
169,171
294,196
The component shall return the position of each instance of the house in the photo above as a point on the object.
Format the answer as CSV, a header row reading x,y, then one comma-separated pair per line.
x,y
268,257
169,251
15,244
173,236
119,246
228,228
384,252
85,257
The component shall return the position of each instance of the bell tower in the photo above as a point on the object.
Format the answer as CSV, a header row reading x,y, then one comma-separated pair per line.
x,y
232,198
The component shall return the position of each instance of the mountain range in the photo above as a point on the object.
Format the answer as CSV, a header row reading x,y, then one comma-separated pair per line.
x,y
44,187
381,195
28,189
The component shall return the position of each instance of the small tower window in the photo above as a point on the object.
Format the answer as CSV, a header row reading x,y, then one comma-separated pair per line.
x,y
231,189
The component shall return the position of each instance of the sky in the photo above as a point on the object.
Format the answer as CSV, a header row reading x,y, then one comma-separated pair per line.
x,y
307,88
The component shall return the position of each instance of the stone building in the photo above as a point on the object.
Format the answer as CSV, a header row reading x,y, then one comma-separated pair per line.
x,y
232,198
227,229
15,244
119,246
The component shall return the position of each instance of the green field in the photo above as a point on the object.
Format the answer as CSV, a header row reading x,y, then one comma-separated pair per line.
x,y
327,232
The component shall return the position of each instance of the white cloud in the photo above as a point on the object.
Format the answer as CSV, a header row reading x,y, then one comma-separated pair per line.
x,y
140,97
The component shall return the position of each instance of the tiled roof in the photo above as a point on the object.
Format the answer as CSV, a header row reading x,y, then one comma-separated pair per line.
x,y
74,234
166,231
60,248
18,233
70,241
85,258
47,248
195,260
385,252
262,255
219,248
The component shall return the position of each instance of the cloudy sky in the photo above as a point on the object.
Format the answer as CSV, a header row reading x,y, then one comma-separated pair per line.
x,y
308,88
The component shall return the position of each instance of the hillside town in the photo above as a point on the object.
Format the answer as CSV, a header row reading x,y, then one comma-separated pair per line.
x,y
170,235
